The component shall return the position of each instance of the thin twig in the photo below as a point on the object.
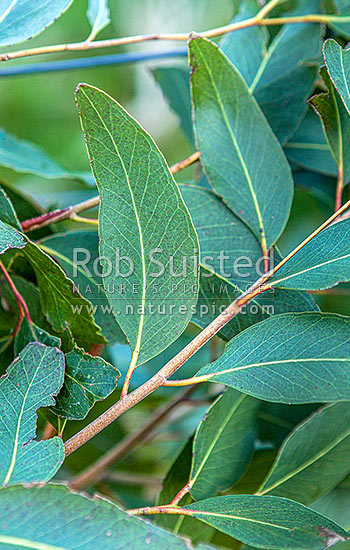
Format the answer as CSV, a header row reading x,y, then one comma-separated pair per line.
x,y
257,20
70,212
95,472
20,301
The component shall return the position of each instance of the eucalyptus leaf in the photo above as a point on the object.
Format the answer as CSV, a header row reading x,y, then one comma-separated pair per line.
x,y
223,444
336,124
323,262
23,19
337,62
87,380
270,66
31,382
308,147
289,358
7,211
313,459
241,157
77,253
268,522
62,304
335,506
23,156
143,196
98,15
216,293
79,521
175,84
10,238
31,333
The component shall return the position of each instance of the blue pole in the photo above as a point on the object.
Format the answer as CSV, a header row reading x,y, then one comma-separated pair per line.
x,y
85,62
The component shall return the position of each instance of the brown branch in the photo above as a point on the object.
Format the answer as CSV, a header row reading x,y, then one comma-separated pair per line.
x,y
70,212
95,472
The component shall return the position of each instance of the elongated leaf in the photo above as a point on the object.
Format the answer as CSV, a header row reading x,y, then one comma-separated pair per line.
x,y
268,522
223,444
64,307
23,156
10,238
98,15
79,522
216,293
23,19
269,67
175,85
87,380
338,64
227,245
175,480
30,382
313,458
142,219
290,358
8,213
336,124
230,129
234,256
322,263
77,254
308,146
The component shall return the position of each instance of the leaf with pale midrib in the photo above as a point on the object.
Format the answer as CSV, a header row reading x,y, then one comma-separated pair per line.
x,y
98,15
321,263
31,381
268,522
269,66
313,459
241,157
10,238
23,19
141,210
223,444
290,358
337,62
28,516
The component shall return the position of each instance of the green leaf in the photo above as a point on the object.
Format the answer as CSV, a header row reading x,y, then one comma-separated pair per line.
x,y
78,522
23,19
336,124
313,459
63,306
31,333
175,480
335,506
234,256
308,147
77,253
343,9
141,212
242,158
175,85
321,263
10,238
337,62
98,15
216,293
223,444
87,380
30,382
290,358
270,66
23,156
268,522
8,213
